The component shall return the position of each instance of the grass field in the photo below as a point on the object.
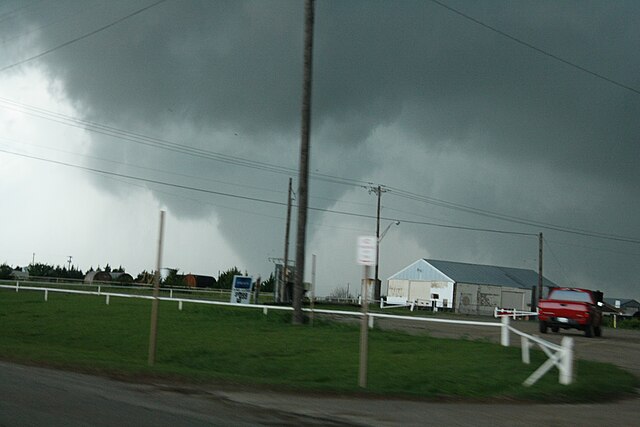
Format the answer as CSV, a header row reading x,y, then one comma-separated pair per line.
x,y
212,344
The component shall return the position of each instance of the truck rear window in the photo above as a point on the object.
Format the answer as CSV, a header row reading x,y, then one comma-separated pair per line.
x,y
575,296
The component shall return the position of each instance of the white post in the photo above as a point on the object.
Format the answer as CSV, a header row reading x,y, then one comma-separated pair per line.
x,y
98,290
264,310
504,335
46,295
524,343
17,286
566,363
107,299
180,305
370,322
170,293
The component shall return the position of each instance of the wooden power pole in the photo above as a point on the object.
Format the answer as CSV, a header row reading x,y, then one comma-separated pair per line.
x,y
540,284
303,189
284,274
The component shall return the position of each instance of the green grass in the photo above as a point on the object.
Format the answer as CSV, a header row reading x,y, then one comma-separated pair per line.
x,y
205,343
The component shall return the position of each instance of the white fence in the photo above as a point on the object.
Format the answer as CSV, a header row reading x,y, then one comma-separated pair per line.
x,y
560,356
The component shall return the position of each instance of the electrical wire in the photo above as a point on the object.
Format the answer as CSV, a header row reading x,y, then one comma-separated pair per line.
x,y
535,48
82,37
256,165
509,218
164,144
562,269
256,199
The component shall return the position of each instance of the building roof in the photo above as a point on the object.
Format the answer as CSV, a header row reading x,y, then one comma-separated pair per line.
x,y
623,302
489,274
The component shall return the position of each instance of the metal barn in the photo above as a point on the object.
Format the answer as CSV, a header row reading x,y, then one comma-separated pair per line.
x,y
464,288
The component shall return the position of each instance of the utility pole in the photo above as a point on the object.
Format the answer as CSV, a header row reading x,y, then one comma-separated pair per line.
x,y
376,286
540,242
284,274
303,189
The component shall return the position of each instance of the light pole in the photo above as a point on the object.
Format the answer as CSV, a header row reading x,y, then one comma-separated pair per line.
x,y
377,287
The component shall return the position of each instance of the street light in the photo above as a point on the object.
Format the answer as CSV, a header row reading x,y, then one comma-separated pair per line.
x,y
387,229
377,286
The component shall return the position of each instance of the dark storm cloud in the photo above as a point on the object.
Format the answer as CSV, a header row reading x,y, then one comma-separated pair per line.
x,y
236,65
448,86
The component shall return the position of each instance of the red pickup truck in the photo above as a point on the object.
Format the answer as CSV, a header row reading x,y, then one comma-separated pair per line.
x,y
571,308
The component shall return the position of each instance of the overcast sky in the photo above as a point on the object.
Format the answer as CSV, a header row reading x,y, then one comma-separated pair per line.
x,y
518,117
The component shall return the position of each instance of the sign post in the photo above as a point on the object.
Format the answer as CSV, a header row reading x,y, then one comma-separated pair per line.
x,y
367,257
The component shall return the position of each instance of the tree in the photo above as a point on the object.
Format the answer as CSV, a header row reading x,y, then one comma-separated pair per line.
x,y
340,293
145,277
40,270
173,279
225,280
5,272
269,284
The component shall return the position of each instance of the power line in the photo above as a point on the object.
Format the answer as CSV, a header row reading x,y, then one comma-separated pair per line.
x,y
562,270
243,162
167,145
115,162
509,218
147,180
84,36
256,199
537,49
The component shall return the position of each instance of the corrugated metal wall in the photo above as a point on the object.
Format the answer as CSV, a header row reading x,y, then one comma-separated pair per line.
x,y
482,299
424,292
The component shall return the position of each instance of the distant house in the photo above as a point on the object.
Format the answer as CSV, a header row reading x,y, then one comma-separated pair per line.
x,y
20,273
199,281
122,277
103,276
464,288
626,307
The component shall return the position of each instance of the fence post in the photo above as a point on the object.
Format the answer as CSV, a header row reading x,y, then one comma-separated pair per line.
x,y
98,290
107,300
170,293
504,335
566,364
17,286
370,322
264,310
46,295
524,343
180,305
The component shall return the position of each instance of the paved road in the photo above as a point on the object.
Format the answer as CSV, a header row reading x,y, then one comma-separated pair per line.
x,y
31,396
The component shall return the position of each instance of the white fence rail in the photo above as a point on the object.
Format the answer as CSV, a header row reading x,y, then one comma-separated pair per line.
x,y
560,356
511,312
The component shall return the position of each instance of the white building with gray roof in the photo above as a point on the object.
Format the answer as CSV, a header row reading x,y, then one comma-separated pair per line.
x,y
464,288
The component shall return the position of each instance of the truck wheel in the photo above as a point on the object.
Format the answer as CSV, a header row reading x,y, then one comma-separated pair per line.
x,y
597,331
543,327
588,331
555,328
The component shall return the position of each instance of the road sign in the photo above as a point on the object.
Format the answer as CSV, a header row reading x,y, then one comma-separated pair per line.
x,y
367,250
